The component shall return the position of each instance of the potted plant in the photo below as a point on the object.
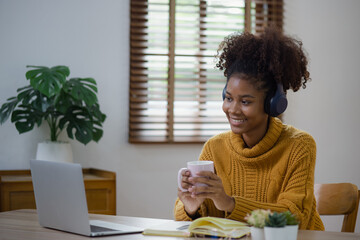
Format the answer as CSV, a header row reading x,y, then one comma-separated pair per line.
x,y
292,225
62,103
275,227
257,220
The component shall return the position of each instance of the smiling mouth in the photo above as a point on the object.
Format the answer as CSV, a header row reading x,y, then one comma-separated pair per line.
x,y
237,120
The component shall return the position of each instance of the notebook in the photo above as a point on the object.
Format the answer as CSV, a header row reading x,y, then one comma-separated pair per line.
x,y
200,228
61,201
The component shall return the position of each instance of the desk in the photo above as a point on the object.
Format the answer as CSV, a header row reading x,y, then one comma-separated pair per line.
x,y
23,224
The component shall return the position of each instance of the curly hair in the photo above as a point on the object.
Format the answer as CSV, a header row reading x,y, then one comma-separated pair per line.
x,y
267,59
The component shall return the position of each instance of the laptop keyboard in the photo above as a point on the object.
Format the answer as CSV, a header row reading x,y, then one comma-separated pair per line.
x,y
101,229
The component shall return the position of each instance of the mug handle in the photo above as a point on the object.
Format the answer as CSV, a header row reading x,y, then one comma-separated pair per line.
x,y
179,179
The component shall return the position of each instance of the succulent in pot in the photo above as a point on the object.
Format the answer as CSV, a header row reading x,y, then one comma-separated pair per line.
x,y
291,219
276,226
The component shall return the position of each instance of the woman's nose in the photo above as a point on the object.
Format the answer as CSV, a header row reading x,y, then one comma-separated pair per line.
x,y
235,107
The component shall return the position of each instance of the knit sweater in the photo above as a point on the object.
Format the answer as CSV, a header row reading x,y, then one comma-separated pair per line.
x,y
276,174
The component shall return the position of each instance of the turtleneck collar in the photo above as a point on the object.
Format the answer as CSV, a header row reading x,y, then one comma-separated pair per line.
x,y
265,144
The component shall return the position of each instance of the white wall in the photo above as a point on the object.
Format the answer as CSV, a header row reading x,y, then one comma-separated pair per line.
x,y
92,38
329,107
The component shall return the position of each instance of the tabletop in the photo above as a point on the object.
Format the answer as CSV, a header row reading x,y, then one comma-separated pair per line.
x,y
23,224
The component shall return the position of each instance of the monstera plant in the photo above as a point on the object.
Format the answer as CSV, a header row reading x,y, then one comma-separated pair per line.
x,y
62,103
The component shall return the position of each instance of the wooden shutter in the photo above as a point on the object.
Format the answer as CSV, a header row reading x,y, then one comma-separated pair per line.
x,y
175,91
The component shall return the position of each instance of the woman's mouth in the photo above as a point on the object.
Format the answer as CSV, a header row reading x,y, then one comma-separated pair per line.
x,y
237,121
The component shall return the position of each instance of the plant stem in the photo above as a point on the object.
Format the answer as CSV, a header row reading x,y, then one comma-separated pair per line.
x,y
53,128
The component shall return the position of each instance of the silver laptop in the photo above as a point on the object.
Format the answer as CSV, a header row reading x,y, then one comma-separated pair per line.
x,y
61,200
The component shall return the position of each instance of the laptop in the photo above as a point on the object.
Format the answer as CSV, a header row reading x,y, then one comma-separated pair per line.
x,y
61,201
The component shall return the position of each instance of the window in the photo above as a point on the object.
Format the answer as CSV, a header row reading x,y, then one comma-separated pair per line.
x,y
175,90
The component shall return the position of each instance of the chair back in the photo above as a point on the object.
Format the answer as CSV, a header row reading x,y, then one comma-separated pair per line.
x,y
338,199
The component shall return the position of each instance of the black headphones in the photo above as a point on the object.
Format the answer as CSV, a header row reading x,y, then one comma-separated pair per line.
x,y
275,101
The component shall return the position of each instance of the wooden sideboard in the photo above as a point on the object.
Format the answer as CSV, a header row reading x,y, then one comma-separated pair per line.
x,y
16,190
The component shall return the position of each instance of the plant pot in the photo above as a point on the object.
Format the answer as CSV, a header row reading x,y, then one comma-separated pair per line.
x,y
276,233
291,231
257,233
54,151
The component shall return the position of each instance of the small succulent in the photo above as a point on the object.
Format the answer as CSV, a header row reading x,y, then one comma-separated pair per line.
x,y
258,217
291,219
276,219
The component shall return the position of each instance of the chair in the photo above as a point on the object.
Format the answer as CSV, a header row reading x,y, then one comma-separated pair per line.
x,y
338,199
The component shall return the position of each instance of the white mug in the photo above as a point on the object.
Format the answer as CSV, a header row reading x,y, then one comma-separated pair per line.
x,y
194,167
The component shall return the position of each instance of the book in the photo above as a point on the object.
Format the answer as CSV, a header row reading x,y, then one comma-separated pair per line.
x,y
170,228
204,226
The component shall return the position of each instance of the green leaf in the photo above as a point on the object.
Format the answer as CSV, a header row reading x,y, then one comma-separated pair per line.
x,y
97,134
96,113
25,119
48,81
7,108
83,89
78,120
33,98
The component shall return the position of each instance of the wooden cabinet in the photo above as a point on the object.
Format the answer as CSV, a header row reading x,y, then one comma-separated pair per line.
x,y
16,190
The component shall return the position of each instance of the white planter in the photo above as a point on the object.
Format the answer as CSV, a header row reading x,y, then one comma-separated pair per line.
x,y
275,233
54,151
292,231
257,233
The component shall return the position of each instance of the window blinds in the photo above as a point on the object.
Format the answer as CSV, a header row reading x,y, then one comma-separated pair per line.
x,y
175,90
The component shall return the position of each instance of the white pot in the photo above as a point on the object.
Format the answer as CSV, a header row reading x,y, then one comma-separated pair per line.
x,y
292,231
54,151
257,233
275,233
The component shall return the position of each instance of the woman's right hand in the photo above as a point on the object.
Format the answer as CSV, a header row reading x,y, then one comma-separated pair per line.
x,y
191,204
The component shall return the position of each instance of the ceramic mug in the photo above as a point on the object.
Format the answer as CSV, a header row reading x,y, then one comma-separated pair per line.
x,y
194,167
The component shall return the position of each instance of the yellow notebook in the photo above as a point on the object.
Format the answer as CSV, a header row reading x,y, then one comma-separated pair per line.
x,y
209,226
170,228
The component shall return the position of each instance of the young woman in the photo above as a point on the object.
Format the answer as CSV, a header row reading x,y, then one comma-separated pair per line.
x,y
261,163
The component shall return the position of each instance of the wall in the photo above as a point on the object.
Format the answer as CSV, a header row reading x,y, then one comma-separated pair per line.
x,y
329,107
92,38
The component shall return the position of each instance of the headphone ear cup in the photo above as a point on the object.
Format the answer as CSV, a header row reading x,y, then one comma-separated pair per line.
x,y
224,92
267,103
277,104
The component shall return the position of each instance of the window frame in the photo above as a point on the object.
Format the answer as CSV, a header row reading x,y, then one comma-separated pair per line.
x,y
258,15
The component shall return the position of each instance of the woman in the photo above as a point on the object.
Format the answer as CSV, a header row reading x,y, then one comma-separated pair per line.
x,y
261,163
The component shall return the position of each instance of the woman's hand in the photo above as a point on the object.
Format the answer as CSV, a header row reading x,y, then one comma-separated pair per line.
x,y
191,204
213,190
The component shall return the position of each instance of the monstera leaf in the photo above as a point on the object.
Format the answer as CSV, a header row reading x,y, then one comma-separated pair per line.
x,y
48,81
78,120
27,96
82,89
7,108
25,119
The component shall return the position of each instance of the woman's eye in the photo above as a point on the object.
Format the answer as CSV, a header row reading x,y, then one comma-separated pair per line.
x,y
228,99
245,102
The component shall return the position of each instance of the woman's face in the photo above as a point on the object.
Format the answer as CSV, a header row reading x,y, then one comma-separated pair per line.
x,y
244,108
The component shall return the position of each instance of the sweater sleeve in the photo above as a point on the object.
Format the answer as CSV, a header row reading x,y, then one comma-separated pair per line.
x,y
297,191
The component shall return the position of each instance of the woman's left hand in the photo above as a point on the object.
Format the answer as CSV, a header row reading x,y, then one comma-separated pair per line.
x,y
213,190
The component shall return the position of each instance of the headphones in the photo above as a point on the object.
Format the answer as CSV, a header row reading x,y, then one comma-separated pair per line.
x,y
275,102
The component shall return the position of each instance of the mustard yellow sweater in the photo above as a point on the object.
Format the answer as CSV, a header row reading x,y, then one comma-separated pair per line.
x,y
276,174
